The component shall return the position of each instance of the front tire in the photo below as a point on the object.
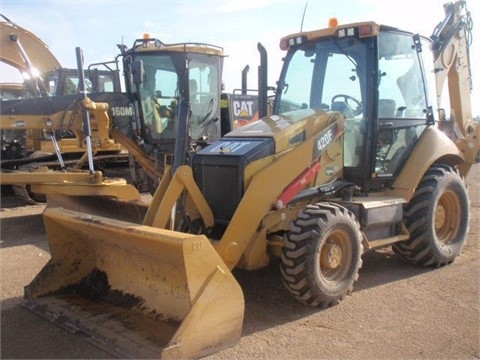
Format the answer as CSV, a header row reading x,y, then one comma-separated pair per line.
x,y
437,218
321,255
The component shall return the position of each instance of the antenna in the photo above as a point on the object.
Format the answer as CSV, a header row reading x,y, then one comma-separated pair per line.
x,y
303,17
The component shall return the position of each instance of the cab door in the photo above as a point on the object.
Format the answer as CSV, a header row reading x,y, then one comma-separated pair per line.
x,y
404,107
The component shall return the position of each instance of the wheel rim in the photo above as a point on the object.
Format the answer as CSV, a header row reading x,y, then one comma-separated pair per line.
x,y
335,255
447,216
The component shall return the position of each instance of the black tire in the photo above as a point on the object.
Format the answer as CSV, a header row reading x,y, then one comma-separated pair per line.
x,y
437,218
321,255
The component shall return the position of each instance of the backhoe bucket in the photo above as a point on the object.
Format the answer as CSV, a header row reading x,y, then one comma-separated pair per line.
x,y
137,291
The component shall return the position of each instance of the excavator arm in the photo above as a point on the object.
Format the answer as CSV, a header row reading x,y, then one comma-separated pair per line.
x,y
451,41
17,42
19,45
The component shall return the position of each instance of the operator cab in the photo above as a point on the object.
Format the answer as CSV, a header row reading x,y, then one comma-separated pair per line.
x,y
378,77
161,75
66,81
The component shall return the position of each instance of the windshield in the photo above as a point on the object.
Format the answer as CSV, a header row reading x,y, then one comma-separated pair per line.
x,y
329,74
159,95
65,85
323,74
163,85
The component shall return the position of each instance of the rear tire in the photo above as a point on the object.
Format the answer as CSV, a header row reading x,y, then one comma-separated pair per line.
x,y
437,218
322,255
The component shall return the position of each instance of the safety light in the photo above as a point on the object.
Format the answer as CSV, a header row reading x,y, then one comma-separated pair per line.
x,y
332,22
145,40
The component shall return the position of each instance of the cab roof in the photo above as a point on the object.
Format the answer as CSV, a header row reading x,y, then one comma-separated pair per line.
x,y
155,45
362,29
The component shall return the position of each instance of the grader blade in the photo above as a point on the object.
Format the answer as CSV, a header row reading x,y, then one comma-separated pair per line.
x,y
137,291
133,211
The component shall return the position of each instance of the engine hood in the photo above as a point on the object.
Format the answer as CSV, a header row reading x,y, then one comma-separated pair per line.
x,y
290,128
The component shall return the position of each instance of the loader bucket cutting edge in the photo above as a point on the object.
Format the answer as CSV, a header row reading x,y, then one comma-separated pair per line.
x,y
138,291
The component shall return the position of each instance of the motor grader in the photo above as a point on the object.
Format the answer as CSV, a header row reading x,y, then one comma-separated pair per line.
x,y
350,160
44,77
143,119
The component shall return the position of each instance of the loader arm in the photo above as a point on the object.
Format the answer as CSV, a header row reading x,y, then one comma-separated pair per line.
x,y
451,42
168,193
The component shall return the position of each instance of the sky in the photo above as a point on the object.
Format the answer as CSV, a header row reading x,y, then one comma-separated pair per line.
x,y
97,26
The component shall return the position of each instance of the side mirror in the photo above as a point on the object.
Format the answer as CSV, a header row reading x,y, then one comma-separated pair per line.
x,y
138,72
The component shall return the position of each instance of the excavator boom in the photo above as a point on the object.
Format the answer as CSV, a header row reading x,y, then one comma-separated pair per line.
x,y
20,45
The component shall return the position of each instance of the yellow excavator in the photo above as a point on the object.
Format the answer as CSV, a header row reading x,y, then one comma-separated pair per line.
x,y
44,77
352,159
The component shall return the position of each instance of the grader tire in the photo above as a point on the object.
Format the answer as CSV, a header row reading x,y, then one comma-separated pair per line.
x,y
437,218
322,255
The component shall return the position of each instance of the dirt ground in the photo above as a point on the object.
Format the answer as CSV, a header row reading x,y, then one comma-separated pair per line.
x,y
397,311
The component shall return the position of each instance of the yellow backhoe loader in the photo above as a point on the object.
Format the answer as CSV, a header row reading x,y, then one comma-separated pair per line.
x,y
350,160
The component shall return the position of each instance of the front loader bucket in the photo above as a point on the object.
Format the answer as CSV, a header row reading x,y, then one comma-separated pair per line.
x,y
137,291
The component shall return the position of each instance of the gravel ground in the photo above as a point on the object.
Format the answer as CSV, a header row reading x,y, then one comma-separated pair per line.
x,y
396,311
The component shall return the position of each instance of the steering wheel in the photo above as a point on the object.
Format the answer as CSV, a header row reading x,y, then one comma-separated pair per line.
x,y
354,104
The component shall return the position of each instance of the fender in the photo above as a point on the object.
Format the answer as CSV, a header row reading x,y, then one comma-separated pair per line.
x,y
431,146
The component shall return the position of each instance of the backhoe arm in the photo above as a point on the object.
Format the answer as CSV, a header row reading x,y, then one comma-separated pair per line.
x,y
451,41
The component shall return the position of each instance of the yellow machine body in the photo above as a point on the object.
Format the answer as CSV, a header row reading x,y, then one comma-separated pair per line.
x,y
282,186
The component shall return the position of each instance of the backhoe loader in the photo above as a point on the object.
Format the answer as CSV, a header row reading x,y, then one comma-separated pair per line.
x,y
350,160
